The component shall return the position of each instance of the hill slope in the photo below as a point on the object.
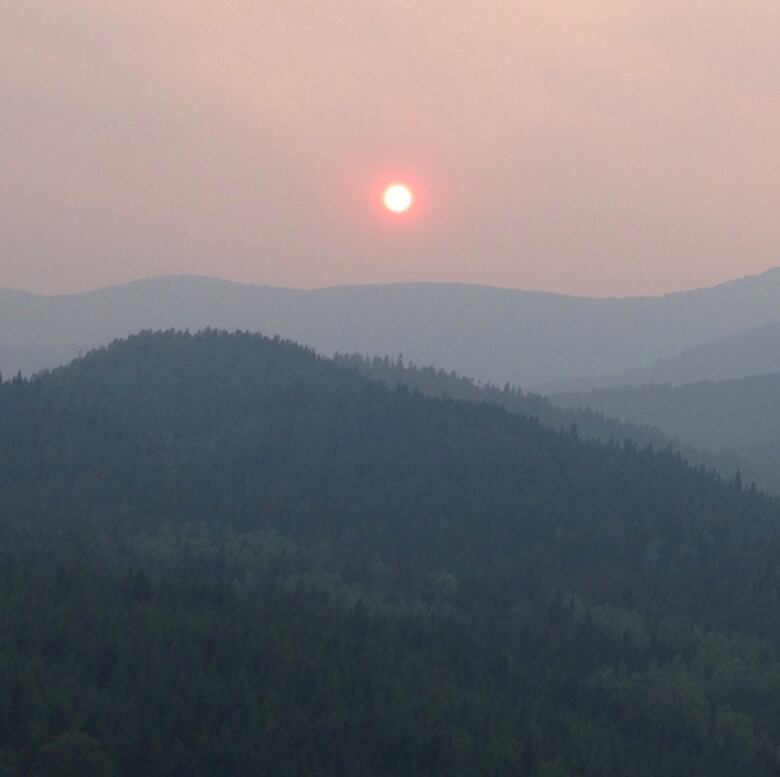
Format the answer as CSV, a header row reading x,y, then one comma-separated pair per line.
x,y
436,382
222,555
754,352
526,338
738,418
757,461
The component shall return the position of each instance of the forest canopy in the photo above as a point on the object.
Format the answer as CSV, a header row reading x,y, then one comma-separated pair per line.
x,y
221,554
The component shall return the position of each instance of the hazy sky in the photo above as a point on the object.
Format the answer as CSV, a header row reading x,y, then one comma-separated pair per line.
x,y
585,146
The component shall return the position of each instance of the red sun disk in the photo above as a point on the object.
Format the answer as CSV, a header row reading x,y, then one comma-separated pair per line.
x,y
398,198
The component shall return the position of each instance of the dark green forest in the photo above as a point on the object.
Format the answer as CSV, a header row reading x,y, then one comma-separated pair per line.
x,y
223,555
603,420
589,423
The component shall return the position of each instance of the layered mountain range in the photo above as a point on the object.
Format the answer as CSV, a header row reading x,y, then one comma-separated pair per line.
x,y
531,339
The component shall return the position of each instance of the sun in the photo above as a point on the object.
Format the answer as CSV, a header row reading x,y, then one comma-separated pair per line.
x,y
398,198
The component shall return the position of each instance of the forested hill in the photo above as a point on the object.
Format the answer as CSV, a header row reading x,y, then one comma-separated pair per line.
x,y
589,423
603,420
736,419
223,555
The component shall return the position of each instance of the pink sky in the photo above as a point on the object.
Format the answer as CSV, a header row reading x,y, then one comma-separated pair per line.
x,y
585,146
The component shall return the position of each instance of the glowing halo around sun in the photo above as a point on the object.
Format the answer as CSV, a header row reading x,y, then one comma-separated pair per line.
x,y
398,198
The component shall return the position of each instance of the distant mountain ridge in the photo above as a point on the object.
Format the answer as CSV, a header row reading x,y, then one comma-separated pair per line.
x,y
712,415
755,352
739,419
524,337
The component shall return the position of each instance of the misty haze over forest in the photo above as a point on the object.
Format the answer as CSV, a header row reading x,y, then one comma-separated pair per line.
x,y
389,389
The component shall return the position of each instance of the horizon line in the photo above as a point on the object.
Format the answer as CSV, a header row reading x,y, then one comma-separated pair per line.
x,y
389,284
